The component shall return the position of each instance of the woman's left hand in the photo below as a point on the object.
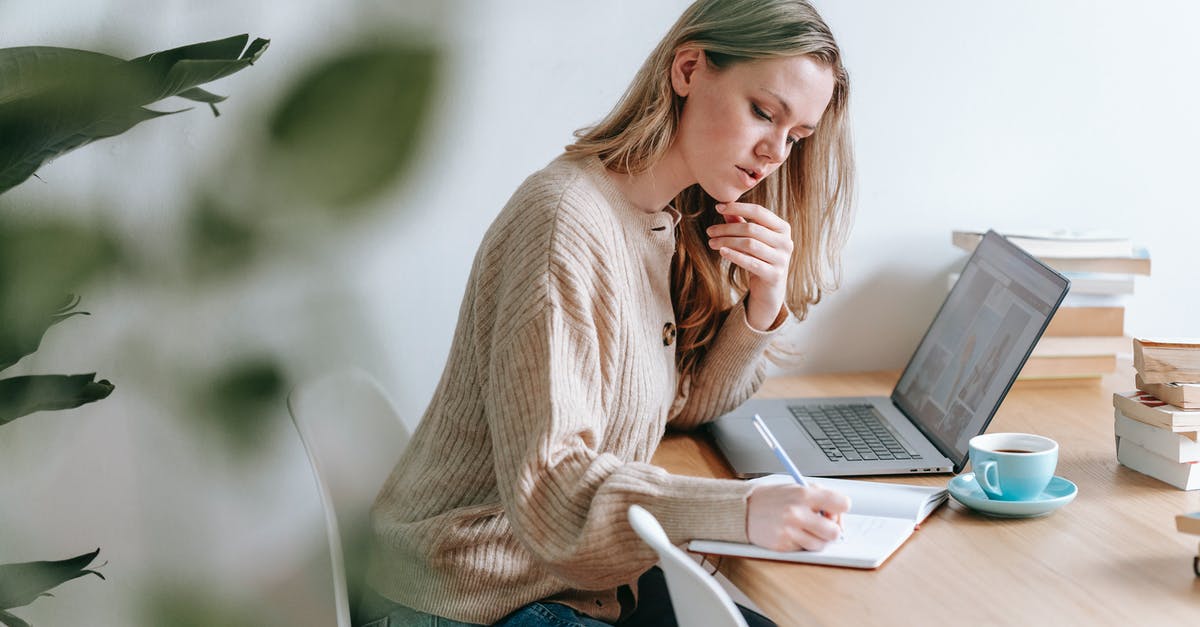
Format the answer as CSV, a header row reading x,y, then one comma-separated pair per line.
x,y
757,240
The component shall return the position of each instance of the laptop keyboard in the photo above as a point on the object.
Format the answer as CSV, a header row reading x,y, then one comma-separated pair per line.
x,y
851,432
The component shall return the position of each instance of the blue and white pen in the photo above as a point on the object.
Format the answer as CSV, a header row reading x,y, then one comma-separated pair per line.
x,y
766,434
779,453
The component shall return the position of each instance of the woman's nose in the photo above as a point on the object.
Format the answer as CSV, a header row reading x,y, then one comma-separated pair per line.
x,y
774,148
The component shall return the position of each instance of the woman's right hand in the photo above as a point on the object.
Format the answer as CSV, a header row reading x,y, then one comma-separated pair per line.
x,y
791,517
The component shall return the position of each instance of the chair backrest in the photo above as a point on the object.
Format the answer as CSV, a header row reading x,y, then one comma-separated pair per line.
x,y
353,438
697,598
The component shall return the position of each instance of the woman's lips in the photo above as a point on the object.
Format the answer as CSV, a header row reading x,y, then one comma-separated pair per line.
x,y
748,176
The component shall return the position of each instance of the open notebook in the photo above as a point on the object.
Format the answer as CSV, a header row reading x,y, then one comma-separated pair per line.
x,y
881,517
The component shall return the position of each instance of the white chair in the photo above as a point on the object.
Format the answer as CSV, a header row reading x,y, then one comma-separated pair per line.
x,y
353,438
698,599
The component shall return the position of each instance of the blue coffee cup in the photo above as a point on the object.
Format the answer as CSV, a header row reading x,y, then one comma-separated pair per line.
x,y
1013,466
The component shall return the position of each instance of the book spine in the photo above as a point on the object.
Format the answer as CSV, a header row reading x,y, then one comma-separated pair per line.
x,y
1170,359
1152,411
1075,299
1188,523
1170,344
1183,396
1132,408
1087,321
1182,476
1158,364
1067,367
1178,447
1100,283
1057,247
965,241
1139,263
1169,376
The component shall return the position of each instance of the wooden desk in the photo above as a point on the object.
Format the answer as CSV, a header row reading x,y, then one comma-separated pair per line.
x,y
1110,557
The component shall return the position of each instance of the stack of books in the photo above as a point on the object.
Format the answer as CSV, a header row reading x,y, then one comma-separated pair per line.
x,y
1190,523
1158,426
1088,330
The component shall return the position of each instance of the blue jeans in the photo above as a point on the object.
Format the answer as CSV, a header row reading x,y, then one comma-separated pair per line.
x,y
533,615
653,610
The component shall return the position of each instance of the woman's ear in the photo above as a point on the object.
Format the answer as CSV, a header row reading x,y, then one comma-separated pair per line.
x,y
683,69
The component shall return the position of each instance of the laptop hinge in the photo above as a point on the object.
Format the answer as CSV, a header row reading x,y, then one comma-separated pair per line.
x,y
937,444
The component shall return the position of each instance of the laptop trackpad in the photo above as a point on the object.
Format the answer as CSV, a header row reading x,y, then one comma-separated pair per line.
x,y
791,437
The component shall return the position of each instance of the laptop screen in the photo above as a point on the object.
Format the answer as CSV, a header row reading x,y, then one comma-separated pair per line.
x,y
977,343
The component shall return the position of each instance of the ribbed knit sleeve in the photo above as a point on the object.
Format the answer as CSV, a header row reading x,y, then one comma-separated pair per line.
x,y
732,371
567,501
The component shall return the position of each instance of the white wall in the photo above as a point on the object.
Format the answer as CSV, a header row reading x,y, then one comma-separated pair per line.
x,y
1020,114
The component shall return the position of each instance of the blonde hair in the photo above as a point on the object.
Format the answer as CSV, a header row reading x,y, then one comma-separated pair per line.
x,y
812,191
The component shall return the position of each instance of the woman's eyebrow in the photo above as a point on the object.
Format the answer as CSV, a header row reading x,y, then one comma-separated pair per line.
x,y
786,108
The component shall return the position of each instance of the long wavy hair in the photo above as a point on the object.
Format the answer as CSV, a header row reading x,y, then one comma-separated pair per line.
x,y
812,190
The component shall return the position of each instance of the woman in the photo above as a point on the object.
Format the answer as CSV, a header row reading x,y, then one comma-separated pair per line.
x,y
634,283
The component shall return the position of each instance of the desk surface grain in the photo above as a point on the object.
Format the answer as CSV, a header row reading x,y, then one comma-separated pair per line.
x,y
1110,557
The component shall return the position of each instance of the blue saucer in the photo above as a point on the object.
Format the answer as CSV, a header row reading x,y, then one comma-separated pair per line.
x,y
965,490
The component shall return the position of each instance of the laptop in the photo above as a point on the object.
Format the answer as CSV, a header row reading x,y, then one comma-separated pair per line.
x,y
949,391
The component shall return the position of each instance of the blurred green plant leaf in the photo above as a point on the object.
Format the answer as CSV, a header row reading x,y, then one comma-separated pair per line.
x,y
351,124
200,95
196,604
181,69
251,382
218,241
20,396
61,252
21,584
41,262
53,100
17,341
11,621
242,400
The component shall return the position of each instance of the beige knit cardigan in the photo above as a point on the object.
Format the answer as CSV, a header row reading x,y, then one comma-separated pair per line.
x,y
560,383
